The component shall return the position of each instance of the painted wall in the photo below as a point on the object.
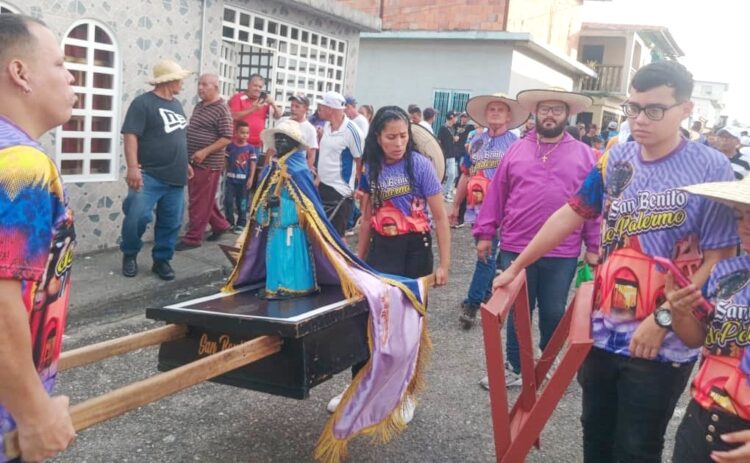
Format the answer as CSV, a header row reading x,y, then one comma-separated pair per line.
x,y
147,31
402,72
554,22
526,73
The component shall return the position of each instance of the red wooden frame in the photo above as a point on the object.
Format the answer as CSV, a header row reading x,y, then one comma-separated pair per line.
x,y
517,430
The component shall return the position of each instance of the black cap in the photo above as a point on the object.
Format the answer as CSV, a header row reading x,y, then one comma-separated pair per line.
x,y
300,98
451,114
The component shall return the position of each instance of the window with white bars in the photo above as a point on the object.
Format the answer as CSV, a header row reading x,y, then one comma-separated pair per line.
x,y
86,144
448,100
6,8
304,61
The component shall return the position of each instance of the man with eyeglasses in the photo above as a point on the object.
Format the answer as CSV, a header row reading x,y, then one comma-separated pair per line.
x,y
637,369
536,176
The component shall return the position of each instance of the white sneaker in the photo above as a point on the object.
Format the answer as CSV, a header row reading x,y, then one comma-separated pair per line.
x,y
334,403
407,410
512,379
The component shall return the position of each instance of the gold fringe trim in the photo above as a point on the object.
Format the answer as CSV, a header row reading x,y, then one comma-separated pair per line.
x,y
330,449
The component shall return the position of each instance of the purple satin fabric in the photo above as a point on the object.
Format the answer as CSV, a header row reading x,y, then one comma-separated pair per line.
x,y
396,328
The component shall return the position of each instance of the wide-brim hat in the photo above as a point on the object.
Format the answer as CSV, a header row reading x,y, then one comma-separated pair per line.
x,y
577,102
427,144
289,128
733,192
168,71
477,105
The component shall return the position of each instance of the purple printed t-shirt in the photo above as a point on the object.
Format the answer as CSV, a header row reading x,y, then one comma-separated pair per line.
x,y
644,213
403,204
480,165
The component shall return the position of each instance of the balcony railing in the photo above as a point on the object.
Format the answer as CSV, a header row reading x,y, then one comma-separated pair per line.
x,y
608,80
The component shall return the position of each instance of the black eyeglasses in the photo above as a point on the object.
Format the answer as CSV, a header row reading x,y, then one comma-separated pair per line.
x,y
655,112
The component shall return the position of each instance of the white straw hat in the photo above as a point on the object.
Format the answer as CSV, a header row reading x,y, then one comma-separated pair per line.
x,y
477,106
735,192
576,102
427,144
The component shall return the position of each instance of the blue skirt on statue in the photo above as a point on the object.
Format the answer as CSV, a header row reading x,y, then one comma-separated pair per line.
x,y
289,264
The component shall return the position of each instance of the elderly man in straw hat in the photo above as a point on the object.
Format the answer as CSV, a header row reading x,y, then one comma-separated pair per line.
x,y
716,426
156,155
537,175
498,114
36,238
638,367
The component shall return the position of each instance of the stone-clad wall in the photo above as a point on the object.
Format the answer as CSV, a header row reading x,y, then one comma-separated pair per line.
x,y
146,31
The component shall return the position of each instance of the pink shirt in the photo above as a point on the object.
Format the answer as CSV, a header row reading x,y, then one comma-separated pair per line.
x,y
527,190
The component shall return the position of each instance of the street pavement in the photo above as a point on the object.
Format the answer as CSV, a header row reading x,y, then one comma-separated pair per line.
x,y
217,423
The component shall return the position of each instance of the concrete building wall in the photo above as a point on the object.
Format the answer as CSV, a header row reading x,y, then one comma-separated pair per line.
x,y
402,72
526,73
146,32
485,15
554,22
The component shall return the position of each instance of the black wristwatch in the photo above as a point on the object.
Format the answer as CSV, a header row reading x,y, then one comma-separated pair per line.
x,y
663,317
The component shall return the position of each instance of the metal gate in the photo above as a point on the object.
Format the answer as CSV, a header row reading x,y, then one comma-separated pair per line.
x,y
448,100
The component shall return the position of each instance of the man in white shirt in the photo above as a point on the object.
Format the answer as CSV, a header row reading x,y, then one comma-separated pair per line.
x,y
339,159
429,115
350,109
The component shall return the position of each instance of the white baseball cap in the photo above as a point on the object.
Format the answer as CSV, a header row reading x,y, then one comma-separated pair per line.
x,y
333,100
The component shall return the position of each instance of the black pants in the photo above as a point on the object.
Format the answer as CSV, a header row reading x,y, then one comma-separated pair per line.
x,y
627,404
408,255
700,432
337,207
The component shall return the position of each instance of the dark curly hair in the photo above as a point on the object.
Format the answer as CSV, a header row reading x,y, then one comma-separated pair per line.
x,y
374,157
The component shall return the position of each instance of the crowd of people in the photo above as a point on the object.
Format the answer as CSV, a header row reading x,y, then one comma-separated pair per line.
x,y
538,192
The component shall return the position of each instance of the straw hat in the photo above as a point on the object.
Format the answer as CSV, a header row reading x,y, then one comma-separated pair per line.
x,y
477,105
736,192
168,71
576,102
289,128
427,144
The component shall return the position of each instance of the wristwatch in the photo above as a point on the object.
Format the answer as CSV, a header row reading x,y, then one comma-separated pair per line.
x,y
663,317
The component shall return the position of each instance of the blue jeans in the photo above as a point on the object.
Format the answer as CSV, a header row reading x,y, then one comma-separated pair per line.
x,y
548,281
627,405
236,198
480,288
450,176
138,208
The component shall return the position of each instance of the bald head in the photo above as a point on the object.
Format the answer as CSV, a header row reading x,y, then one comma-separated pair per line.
x,y
16,36
208,88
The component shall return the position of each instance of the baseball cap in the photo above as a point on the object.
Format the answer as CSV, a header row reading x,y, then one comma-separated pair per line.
x,y
333,100
612,125
300,98
350,100
451,114
729,130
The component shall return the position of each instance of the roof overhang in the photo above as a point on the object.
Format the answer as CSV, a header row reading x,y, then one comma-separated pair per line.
x,y
659,36
338,12
521,41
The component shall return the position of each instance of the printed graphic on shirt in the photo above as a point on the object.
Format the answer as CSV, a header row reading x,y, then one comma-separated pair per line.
x,y
172,120
401,206
480,165
36,248
646,214
239,160
723,376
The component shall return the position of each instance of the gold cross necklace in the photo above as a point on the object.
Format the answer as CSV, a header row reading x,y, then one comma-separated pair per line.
x,y
546,155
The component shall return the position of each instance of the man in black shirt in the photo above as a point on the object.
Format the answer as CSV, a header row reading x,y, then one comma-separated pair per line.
x,y
448,141
154,134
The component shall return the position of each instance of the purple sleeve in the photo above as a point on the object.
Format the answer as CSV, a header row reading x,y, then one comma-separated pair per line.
x,y
427,176
465,164
718,227
493,208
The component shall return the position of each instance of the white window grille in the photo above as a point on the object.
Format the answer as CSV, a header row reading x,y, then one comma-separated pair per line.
x,y
304,61
86,144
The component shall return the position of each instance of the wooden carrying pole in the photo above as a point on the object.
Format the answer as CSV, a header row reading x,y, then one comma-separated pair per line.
x,y
100,351
132,396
